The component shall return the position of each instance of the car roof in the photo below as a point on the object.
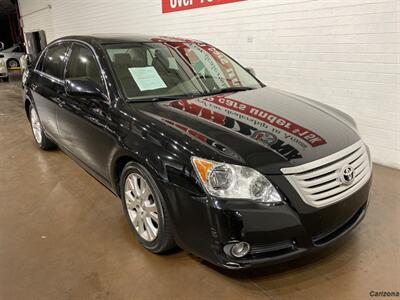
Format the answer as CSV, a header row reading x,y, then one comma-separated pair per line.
x,y
122,38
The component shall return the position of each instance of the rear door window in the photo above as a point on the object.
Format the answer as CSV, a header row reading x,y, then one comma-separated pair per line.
x,y
54,60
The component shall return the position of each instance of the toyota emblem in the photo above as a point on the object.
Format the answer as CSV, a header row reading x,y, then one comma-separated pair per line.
x,y
347,175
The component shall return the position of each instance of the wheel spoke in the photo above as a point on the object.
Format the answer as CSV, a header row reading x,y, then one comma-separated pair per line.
x,y
150,208
136,188
154,216
145,190
151,211
151,231
130,184
140,225
132,187
130,204
135,220
130,196
145,194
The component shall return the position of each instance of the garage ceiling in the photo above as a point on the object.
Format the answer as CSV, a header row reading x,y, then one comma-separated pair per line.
x,y
6,6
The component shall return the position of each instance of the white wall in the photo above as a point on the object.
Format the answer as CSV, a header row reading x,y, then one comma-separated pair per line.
x,y
36,15
344,53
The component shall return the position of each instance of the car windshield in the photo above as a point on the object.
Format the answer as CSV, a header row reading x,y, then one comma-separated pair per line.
x,y
165,69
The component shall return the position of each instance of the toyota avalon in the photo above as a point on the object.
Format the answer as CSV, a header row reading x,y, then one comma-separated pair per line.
x,y
202,154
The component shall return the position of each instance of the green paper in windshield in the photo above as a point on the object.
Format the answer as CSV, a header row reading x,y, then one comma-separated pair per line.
x,y
147,78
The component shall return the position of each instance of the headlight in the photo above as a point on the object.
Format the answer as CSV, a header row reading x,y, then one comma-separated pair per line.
x,y
234,182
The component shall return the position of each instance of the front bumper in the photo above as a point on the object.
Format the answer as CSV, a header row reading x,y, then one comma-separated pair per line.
x,y
204,225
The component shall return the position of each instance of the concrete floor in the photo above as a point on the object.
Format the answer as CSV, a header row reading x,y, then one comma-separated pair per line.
x,y
64,236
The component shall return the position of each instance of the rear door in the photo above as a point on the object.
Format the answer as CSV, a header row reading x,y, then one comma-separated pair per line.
x,y
48,84
84,122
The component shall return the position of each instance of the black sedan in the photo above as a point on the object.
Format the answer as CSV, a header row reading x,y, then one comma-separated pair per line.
x,y
202,154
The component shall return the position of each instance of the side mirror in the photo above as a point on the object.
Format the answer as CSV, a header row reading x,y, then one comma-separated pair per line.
x,y
251,71
84,88
1,46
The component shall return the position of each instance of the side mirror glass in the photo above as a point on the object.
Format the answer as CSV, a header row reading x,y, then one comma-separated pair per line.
x,y
84,88
251,71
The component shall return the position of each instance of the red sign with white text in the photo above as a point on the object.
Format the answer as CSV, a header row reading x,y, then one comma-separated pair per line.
x,y
178,5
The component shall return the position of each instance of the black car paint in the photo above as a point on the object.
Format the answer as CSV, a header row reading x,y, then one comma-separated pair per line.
x,y
103,134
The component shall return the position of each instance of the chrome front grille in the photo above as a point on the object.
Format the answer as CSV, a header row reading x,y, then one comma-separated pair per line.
x,y
322,182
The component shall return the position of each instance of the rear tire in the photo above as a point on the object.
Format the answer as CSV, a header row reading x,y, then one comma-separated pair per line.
x,y
39,136
145,209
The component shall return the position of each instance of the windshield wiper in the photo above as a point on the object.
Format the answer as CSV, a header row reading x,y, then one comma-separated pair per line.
x,y
161,98
190,96
229,90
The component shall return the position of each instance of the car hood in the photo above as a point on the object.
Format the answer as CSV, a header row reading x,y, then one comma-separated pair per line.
x,y
266,128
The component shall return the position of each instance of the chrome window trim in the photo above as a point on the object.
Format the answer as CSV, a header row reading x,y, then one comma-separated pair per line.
x,y
48,76
40,57
292,174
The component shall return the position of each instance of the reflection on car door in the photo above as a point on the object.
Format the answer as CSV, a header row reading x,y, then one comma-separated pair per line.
x,y
48,84
83,122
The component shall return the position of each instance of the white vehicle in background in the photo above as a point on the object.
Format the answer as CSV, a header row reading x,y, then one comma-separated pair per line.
x,y
3,69
12,56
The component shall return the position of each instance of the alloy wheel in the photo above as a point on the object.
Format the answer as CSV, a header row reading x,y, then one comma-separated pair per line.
x,y
36,127
141,206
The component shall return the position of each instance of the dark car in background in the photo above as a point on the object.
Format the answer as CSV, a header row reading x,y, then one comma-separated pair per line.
x,y
202,154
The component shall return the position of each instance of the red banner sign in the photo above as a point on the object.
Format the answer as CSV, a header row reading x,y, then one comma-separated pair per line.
x,y
178,5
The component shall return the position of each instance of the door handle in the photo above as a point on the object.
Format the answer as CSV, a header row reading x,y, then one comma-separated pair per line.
x,y
60,98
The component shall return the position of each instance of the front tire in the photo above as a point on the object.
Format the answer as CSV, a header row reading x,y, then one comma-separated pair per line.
x,y
40,137
145,209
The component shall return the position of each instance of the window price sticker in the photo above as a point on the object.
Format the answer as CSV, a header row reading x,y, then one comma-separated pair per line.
x,y
147,78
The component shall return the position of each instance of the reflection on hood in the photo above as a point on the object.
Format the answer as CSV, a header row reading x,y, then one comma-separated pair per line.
x,y
272,131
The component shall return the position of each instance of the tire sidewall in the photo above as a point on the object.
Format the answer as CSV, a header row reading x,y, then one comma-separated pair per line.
x,y
131,168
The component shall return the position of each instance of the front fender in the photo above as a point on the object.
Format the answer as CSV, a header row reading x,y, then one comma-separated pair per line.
x,y
160,157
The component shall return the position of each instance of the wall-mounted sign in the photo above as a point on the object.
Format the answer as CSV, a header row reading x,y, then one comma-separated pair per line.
x,y
178,5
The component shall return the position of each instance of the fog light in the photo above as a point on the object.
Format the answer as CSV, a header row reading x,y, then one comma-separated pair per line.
x,y
240,249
